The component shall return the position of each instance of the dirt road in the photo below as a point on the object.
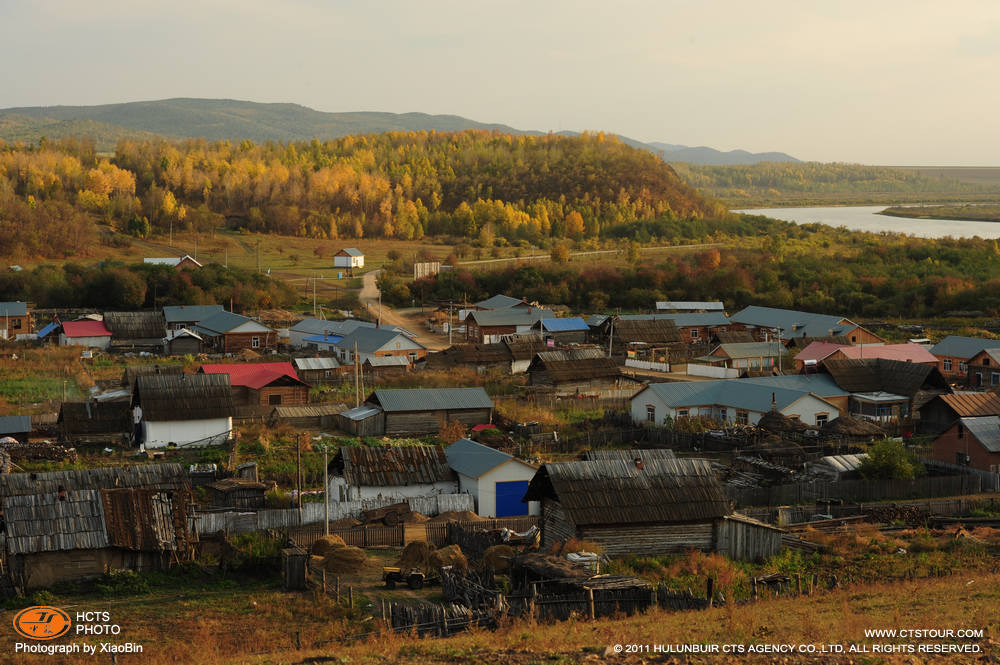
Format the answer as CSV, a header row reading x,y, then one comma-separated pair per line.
x,y
412,319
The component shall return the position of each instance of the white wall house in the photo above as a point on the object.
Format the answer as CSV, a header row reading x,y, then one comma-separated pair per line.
x,y
86,333
735,401
399,472
374,342
185,410
349,257
497,481
185,433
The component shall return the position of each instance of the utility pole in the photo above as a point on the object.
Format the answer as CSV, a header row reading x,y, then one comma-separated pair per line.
x,y
314,295
258,255
298,475
326,493
357,378
195,246
611,337
227,257
449,323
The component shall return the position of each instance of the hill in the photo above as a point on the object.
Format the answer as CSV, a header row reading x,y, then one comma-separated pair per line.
x,y
228,119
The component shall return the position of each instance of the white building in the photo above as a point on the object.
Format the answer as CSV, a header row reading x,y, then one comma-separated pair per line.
x,y
396,472
186,410
349,257
87,332
497,481
377,342
738,401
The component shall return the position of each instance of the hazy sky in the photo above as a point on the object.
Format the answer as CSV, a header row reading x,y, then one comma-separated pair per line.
x,y
879,81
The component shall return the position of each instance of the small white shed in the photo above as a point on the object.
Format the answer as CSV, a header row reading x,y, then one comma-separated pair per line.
x,y
496,480
349,257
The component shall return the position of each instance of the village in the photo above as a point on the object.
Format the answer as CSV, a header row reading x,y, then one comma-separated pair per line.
x,y
503,458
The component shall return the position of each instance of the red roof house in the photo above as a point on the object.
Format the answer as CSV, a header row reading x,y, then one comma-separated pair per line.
x,y
265,384
85,332
819,352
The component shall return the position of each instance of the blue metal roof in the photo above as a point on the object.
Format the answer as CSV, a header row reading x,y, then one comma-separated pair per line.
x,y
963,347
323,339
189,313
15,308
474,459
47,330
793,323
15,424
564,325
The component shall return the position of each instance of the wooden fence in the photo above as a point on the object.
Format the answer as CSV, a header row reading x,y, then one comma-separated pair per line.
x,y
855,490
401,534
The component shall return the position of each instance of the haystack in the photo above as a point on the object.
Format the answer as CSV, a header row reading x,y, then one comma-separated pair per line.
x,y
326,544
450,556
457,516
345,560
416,517
417,554
550,567
344,523
848,426
498,557
774,421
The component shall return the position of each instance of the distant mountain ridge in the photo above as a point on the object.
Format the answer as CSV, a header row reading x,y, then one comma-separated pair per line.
x,y
228,119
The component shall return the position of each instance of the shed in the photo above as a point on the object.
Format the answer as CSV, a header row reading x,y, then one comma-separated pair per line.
x,y
562,331
313,416
185,410
136,331
382,366
350,258
88,333
94,422
645,507
182,342
580,369
243,494
496,480
318,371
363,420
16,427
362,472
417,411
838,467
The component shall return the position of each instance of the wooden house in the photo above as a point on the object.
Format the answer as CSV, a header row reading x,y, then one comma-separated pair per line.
x,y
983,369
242,494
770,323
182,342
188,316
645,507
16,320
349,258
378,343
67,526
973,442
886,390
944,410
133,372
225,332
954,353
15,427
755,358
94,422
318,371
262,384
313,416
819,352
185,262
136,331
617,333
562,331
579,369
694,327
417,411
379,367
86,332
496,480
398,472
486,326
186,410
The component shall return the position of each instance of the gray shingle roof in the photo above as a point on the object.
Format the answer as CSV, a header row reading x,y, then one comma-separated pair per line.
x,y
14,425
431,399
474,459
986,429
791,322
185,313
13,308
500,301
370,340
962,347
511,317
302,364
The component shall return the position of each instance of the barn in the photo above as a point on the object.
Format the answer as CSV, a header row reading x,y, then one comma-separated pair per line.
x,y
418,411
262,384
496,480
350,258
574,369
645,506
136,331
86,332
317,371
185,410
401,472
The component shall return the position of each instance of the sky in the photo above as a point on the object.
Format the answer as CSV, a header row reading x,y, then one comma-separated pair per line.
x,y
875,82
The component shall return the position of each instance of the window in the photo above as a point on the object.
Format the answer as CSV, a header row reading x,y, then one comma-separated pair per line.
x,y
723,414
274,399
979,379
821,419
650,413
963,367
946,364
853,338
412,356
995,378
694,333
255,342
327,374
986,362
961,432
683,413
742,418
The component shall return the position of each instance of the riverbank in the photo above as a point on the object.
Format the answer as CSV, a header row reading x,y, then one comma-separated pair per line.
x,y
968,213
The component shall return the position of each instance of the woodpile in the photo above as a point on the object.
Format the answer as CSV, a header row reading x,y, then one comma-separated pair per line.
x,y
848,426
39,451
910,515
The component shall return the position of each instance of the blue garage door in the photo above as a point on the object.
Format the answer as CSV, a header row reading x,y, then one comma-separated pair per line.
x,y
509,495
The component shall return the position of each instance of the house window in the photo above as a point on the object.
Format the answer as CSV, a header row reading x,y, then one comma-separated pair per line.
x,y
821,419
650,413
274,400
742,418
694,333
255,342
853,338
963,367
995,378
961,432
723,414
986,362
946,364
412,355
327,373
683,413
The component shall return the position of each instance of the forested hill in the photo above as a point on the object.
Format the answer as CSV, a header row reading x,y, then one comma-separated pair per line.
x,y
220,120
474,184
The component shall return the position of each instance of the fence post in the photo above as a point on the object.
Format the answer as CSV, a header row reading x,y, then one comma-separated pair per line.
x,y
709,588
590,603
350,596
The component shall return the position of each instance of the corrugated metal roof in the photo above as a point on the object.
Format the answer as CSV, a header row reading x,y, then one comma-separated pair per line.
x,y
690,319
392,466
597,320
222,322
519,316
326,326
817,351
15,424
628,455
956,346
189,313
370,340
431,399
707,305
966,404
85,329
730,393
304,364
500,301
904,352
817,384
563,325
388,361
152,476
754,350
361,412
43,523
323,339
843,463
314,411
13,308
986,430
793,323
47,330
184,397
474,459
253,375
352,251
618,492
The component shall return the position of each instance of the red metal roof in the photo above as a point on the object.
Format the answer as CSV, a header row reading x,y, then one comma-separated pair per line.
x,y
817,351
905,352
253,375
85,328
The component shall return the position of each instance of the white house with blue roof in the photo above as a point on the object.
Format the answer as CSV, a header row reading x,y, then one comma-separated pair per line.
x,y
736,401
496,480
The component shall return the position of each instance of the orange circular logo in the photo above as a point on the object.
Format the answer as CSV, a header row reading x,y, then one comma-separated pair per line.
x,y
42,622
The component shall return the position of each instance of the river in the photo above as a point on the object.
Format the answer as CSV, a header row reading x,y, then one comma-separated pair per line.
x,y
864,218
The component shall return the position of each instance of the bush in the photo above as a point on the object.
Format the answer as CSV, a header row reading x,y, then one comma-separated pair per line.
x,y
890,459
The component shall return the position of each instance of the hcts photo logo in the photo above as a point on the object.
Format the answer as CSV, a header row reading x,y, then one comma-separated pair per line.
x,y
42,622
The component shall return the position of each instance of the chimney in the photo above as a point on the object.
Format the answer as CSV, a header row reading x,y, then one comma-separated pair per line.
x,y
774,402
638,463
